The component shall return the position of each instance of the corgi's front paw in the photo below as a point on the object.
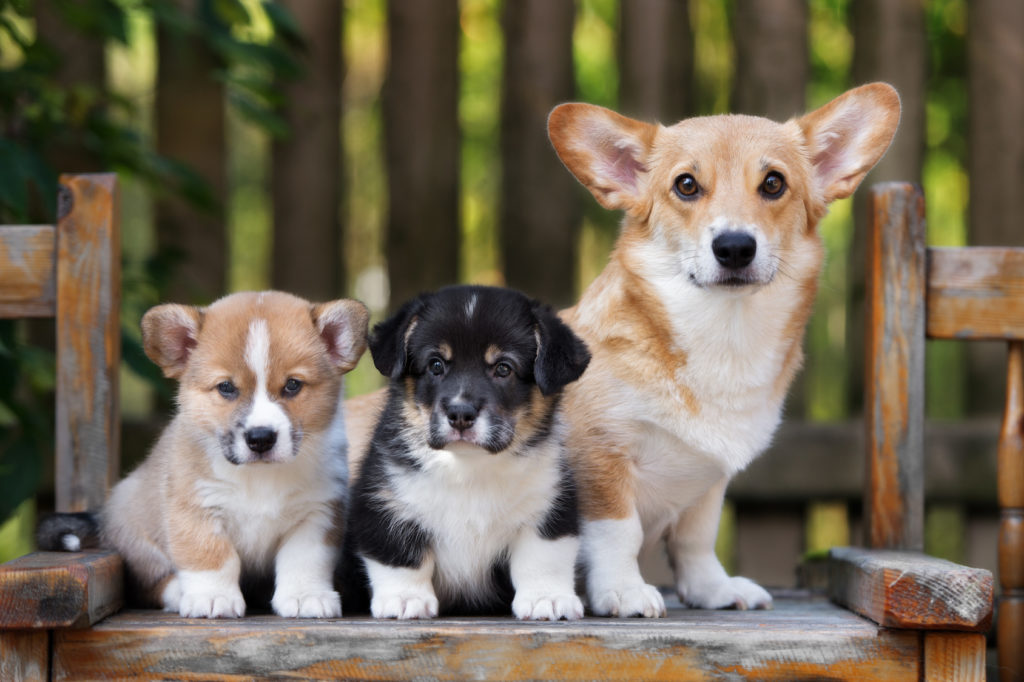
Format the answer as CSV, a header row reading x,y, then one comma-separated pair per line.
x,y
308,604
547,606
731,593
212,604
406,605
628,600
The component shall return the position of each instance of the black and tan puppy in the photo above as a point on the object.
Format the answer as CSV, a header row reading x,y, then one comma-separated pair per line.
x,y
464,501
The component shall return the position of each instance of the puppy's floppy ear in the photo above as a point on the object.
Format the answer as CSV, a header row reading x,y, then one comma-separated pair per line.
x,y
389,339
849,135
342,325
561,355
169,334
606,151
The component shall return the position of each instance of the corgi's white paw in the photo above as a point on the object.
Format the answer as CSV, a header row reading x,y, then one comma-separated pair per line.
x,y
628,600
532,606
312,604
407,605
229,604
731,593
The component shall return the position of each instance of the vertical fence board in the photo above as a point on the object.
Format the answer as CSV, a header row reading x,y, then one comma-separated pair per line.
x,y
1010,630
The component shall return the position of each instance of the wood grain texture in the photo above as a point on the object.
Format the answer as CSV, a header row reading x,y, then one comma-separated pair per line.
x,y
976,293
24,655
894,391
88,340
911,590
27,271
954,657
60,589
1010,493
796,640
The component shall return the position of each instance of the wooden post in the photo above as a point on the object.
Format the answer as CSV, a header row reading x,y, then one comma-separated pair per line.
x,y
88,428
1010,628
894,395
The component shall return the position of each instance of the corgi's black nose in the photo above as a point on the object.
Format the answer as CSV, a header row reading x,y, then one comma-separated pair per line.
x,y
461,415
734,250
260,439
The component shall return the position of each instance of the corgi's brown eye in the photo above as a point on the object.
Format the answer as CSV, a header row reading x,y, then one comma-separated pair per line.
x,y
773,185
436,366
502,370
291,388
686,187
227,390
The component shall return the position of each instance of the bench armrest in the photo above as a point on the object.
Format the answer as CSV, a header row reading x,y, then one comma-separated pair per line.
x,y
60,589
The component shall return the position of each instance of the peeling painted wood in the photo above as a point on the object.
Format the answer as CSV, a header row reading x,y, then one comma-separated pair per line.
x,y
797,640
24,655
894,385
27,271
976,293
88,340
911,590
60,589
954,657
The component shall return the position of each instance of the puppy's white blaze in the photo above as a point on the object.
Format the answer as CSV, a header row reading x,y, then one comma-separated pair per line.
x,y
304,571
401,592
471,306
609,549
264,412
212,594
543,575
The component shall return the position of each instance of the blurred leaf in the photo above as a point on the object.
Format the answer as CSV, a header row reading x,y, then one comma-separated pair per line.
x,y
285,26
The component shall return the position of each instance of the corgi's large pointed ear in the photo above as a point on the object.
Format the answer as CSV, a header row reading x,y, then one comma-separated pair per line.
x,y
561,355
849,135
606,151
169,334
389,339
342,325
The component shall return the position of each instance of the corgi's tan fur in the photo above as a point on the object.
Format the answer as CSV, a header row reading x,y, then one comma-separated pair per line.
x,y
696,324
249,478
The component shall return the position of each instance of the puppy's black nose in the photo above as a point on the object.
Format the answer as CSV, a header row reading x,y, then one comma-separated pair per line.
x,y
734,250
260,439
461,415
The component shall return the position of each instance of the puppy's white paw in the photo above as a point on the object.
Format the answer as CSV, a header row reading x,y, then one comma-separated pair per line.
x,y
628,600
731,593
312,604
408,605
535,606
204,604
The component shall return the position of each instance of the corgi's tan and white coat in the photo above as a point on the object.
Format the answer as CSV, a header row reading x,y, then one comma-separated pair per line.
x,y
696,324
250,476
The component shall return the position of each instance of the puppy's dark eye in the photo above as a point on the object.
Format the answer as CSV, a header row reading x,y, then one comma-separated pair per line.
x,y
227,390
291,388
502,370
436,366
686,187
773,185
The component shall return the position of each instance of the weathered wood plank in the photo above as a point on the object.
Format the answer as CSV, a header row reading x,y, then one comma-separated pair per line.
x,y
24,655
911,590
1010,628
58,589
894,394
88,340
27,271
954,657
975,293
796,640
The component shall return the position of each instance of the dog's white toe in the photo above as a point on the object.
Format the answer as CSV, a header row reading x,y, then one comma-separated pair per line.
x,y
547,607
407,606
629,600
732,593
211,605
325,604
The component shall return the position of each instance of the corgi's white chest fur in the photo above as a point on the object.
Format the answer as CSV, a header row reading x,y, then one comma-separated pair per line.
x,y
474,504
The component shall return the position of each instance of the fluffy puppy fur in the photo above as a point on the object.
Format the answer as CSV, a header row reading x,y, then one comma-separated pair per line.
x,y
696,324
464,501
248,481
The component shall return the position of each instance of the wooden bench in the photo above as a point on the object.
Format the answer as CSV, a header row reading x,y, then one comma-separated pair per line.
x,y
892,614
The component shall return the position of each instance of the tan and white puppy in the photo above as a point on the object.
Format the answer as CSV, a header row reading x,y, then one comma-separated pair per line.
x,y
249,479
697,322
